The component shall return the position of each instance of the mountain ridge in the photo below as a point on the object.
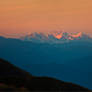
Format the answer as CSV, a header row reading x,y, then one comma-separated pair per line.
x,y
55,37
24,82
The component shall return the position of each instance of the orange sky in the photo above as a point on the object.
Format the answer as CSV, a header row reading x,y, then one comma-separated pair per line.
x,y
25,16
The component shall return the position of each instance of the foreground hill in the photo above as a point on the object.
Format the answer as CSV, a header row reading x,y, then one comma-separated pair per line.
x,y
13,79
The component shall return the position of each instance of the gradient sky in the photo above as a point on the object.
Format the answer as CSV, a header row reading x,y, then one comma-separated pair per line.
x,y
26,16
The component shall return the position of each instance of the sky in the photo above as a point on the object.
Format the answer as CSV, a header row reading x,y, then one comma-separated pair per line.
x,y
19,17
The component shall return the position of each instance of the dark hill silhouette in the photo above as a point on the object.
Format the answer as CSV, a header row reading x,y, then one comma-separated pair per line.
x,y
12,75
14,79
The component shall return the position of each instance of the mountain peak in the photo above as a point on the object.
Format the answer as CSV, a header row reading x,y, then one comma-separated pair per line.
x,y
77,35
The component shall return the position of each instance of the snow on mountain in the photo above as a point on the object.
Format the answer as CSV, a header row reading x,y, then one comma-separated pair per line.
x,y
55,37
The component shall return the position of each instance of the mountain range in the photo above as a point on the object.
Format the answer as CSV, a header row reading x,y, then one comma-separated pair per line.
x,y
64,60
55,37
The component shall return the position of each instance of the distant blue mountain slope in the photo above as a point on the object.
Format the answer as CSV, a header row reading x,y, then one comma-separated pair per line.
x,y
68,61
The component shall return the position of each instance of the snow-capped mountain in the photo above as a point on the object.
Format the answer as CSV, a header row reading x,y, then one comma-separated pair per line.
x,y
55,37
